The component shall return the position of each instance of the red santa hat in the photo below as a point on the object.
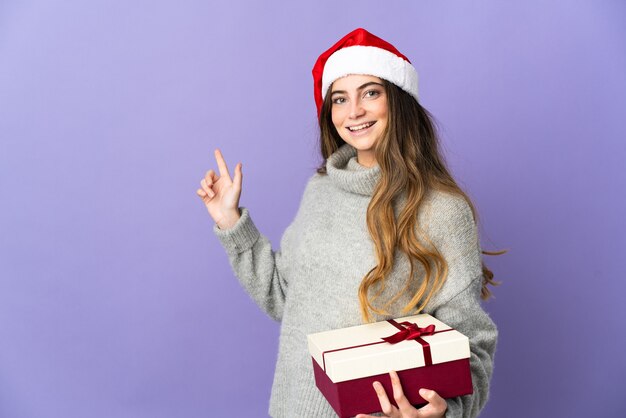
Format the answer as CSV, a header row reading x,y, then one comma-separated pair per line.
x,y
360,52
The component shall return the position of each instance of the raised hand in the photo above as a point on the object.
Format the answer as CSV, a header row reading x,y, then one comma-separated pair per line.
x,y
436,407
221,193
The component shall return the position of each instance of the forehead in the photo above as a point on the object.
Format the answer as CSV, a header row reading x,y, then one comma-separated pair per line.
x,y
353,81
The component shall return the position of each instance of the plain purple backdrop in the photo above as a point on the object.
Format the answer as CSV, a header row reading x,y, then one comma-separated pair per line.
x,y
116,299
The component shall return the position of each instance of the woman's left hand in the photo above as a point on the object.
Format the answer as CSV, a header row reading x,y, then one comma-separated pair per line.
x,y
435,408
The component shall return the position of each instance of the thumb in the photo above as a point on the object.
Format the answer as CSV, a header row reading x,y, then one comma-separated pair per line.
x,y
238,176
433,399
426,394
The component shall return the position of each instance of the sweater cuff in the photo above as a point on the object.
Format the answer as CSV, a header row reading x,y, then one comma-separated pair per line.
x,y
454,409
241,236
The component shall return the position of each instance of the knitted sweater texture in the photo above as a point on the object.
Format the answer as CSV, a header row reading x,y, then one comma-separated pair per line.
x,y
311,283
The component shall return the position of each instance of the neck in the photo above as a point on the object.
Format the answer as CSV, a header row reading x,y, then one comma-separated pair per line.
x,y
366,158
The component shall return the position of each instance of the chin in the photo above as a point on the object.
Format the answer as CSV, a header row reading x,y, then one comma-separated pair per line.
x,y
364,149
362,145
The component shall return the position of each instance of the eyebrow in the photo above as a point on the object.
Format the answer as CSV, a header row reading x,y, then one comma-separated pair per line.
x,y
359,88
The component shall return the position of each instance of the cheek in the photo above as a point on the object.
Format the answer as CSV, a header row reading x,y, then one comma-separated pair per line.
x,y
382,115
382,110
336,118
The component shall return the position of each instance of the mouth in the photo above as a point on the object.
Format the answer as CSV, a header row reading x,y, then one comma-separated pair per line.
x,y
361,127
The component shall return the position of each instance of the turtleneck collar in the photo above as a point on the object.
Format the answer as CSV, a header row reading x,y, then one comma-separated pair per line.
x,y
344,170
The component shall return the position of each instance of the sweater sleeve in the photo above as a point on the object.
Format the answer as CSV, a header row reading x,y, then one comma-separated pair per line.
x,y
258,268
464,313
458,302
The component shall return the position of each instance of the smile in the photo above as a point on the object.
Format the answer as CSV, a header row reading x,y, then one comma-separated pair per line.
x,y
360,127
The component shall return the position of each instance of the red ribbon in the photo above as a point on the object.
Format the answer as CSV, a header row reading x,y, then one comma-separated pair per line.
x,y
408,331
411,331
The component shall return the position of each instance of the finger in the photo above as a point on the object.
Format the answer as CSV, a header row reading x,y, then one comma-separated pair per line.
x,y
206,188
398,394
436,402
238,176
205,198
210,177
221,164
385,405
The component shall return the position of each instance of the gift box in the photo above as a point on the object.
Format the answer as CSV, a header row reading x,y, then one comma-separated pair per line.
x,y
425,352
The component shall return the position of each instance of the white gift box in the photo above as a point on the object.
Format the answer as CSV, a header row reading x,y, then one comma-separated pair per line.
x,y
347,361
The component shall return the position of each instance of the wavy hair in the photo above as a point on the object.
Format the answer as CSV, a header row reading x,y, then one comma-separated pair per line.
x,y
410,162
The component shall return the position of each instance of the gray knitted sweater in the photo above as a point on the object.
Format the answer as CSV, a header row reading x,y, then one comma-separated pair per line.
x,y
311,283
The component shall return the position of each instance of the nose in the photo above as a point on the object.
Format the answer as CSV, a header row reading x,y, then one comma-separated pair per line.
x,y
356,110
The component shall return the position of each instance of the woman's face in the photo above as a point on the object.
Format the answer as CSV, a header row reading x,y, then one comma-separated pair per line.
x,y
359,113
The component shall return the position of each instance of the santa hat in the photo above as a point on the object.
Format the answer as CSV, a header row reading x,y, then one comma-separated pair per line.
x,y
360,52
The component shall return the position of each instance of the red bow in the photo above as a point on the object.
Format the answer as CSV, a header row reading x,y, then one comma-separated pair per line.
x,y
410,332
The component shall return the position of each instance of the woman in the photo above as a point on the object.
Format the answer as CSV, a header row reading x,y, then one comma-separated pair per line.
x,y
382,231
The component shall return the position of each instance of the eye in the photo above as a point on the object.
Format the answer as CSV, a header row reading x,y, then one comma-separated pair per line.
x,y
339,100
372,93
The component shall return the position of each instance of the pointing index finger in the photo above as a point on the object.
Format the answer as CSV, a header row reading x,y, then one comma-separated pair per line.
x,y
221,164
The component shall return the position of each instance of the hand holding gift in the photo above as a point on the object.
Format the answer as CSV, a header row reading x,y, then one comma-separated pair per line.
x,y
435,408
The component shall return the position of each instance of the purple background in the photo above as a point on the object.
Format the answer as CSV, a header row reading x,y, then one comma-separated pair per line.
x,y
116,300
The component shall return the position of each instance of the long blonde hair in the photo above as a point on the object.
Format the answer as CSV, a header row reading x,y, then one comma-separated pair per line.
x,y
411,163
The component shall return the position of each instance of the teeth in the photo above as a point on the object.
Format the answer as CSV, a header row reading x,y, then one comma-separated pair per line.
x,y
359,127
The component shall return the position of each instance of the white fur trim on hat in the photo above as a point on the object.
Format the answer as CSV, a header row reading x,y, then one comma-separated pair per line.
x,y
370,60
